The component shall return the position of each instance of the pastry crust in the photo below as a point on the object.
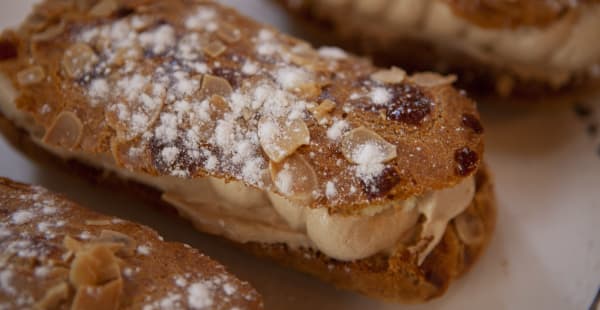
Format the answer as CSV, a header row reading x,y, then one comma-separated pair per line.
x,y
49,243
486,75
412,113
397,278
420,134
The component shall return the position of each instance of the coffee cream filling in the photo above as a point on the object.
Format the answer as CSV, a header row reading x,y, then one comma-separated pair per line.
x,y
568,45
245,214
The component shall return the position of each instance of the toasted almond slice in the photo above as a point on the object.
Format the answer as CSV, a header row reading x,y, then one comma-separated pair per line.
x,y
363,146
31,75
53,297
430,79
393,75
321,111
65,131
229,33
97,222
294,178
71,244
84,5
111,236
102,297
49,33
215,48
281,137
94,265
104,8
215,85
79,59
469,228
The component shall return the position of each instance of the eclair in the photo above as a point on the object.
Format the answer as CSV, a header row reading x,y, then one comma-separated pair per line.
x,y
369,178
522,49
59,255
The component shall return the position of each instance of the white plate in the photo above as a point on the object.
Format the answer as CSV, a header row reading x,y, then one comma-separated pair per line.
x,y
546,252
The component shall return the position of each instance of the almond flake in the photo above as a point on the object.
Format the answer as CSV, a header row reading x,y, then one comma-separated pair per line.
x,y
94,265
364,146
65,131
102,297
281,137
109,236
430,79
49,33
31,75
104,8
215,48
97,222
392,76
214,85
323,109
294,178
229,33
79,59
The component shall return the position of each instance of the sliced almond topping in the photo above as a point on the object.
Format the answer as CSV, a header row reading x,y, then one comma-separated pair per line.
x,y
99,297
229,33
95,265
362,145
308,90
31,75
215,48
302,58
294,178
71,244
392,76
219,106
49,33
430,79
53,297
281,137
110,236
323,109
104,8
84,5
79,59
214,85
97,222
65,131
469,228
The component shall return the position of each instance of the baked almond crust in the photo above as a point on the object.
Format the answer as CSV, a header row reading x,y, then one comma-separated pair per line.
x,y
397,278
57,250
425,133
422,115
485,79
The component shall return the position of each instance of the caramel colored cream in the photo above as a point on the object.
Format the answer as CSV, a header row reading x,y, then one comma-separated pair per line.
x,y
246,214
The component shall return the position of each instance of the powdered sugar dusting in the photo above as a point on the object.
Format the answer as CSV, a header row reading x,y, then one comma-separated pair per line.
x,y
199,296
186,95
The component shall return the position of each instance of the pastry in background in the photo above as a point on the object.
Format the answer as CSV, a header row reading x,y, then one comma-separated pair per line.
x,y
524,49
368,178
59,255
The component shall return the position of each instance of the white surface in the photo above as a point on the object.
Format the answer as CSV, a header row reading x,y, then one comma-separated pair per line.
x,y
546,252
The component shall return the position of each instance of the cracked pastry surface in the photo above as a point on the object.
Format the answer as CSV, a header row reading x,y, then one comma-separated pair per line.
x,y
58,255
